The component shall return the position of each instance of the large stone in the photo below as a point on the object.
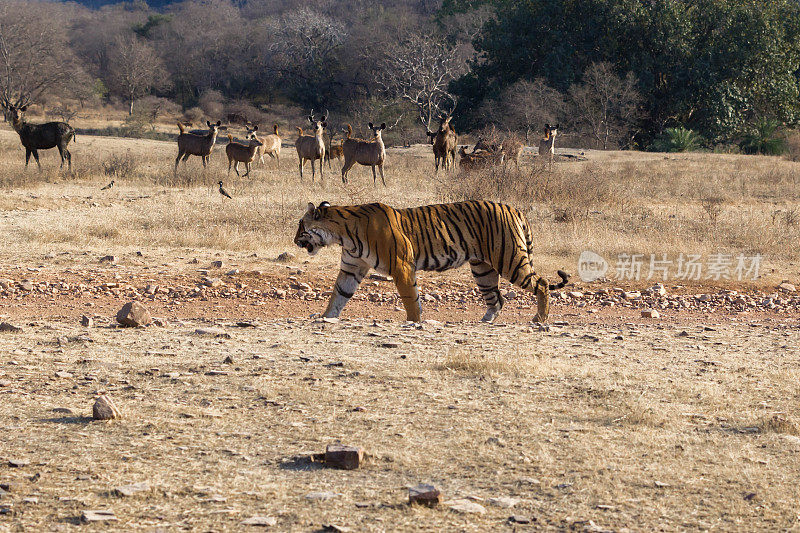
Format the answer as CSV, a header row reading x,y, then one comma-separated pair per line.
x,y
133,314
424,494
787,287
104,409
650,313
9,328
344,457
131,490
263,521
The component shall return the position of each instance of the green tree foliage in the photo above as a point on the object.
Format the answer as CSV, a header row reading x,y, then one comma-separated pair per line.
x,y
764,138
715,66
677,140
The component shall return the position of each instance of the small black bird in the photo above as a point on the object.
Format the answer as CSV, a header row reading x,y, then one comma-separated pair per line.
x,y
108,186
223,192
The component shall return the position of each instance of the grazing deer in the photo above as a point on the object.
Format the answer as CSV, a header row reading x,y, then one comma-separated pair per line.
x,y
242,153
270,144
35,137
368,153
444,143
547,145
334,151
312,147
481,159
199,145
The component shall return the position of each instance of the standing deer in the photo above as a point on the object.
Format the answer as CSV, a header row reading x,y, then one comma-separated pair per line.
x,y
547,145
444,143
242,153
35,137
270,144
369,153
312,147
200,145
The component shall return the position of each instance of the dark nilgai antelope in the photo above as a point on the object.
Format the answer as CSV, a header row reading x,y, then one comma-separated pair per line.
x,y
35,137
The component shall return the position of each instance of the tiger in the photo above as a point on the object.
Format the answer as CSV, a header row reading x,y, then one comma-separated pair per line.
x,y
494,238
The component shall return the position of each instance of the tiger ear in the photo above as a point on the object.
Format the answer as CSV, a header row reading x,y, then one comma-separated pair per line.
x,y
310,208
324,204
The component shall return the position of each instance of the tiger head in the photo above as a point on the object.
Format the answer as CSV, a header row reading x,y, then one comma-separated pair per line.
x,y
315,231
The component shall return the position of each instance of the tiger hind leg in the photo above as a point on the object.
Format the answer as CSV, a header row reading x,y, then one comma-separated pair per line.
x,y
525,278
488,280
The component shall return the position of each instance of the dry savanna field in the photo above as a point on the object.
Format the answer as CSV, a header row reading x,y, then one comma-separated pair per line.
x,y
605,421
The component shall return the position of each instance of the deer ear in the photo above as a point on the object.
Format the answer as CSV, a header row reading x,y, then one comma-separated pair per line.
x,y
219,123
324,124
209,123
557,125
310,119
546,126
383,125
255,128
370,125
23,108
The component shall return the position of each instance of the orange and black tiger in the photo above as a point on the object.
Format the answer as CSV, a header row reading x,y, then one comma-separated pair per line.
x,y
494,238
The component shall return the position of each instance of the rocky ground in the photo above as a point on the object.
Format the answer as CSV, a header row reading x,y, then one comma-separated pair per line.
x,y
605,421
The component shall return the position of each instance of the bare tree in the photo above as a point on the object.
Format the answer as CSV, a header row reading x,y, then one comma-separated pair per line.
x,y
528,105
418,69
135,68
34,54
605,106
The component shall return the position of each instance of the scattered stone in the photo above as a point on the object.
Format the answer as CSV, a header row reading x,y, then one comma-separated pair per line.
x,y
62,411
32,500
26,285
390,345
336,528
286,257
9,328
263,521
98,516
62,374
212,282
86,321
213,332
650,313
659,289
217,264
232,272
661,485
113,259
133,314
787,287
344,457
104,409
424,494
131,490
18,463
506,502
228,360
466,506
519,519
8,486
321,496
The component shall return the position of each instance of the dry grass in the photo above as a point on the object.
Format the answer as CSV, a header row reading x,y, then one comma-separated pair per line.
x,y
617,202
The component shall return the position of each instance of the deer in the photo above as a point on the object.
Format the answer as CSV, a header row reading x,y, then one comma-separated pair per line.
x,y
200,145
334,151
312,147
35,137
444,143
547,144
242,153
270,144
481,159
510,146
368,153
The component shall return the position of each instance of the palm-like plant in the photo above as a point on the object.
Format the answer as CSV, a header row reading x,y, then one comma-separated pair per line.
x,y
765,138
678,140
